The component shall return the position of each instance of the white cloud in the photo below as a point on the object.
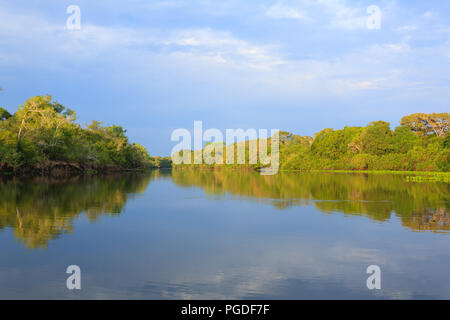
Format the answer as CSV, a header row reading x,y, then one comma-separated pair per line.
x,y
227,57
280,11
429,14
223,46
344,16
94,41
406,28
334,13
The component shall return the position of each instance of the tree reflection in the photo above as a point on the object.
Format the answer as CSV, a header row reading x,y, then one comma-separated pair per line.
x,y
42,209
420,206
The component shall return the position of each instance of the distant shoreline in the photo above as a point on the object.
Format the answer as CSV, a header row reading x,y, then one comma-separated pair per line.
x,y
315,170
63,169
66,170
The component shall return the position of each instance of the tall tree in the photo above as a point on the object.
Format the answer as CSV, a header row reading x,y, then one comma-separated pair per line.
x,y
404,140
4,114
376,138
424,124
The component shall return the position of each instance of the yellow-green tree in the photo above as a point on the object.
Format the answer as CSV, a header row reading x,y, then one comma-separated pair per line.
x,y
424,124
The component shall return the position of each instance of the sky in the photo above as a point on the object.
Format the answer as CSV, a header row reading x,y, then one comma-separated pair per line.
x,y
299,66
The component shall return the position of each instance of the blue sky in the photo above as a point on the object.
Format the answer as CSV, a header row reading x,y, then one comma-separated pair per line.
x,y
300,66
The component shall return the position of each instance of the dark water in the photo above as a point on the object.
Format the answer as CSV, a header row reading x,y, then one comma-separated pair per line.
x,y
214,235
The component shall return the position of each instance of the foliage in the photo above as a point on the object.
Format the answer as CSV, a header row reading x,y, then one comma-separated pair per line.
x,y
376,138
374,147
4,114
43,132
333,144
162,162
409,147
424,124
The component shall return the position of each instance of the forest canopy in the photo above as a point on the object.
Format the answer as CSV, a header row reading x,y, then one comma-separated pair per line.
x,y
420,143
43,132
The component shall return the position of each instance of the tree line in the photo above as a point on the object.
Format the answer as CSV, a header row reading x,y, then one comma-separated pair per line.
x,y
43,134
420,143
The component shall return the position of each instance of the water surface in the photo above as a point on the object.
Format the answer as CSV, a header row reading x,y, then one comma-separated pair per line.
x,y
186,234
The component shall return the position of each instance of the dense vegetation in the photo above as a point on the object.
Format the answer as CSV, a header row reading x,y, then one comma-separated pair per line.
x,y
43,135
420,143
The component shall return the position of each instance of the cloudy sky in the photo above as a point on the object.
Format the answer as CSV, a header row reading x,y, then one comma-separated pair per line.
x,y
300,66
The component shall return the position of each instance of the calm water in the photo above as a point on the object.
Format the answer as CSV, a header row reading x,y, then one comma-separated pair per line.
x,y
233,235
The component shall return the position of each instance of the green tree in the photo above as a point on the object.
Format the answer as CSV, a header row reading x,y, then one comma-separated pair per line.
x,y
334,144
44,131
404,140
376,137
4,114
424,124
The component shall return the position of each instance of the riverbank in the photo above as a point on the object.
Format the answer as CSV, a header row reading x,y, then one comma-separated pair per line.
x,y
63,169
423,173
413,176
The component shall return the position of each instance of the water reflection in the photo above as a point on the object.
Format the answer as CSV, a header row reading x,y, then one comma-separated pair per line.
x,y
43,209
420,206
224,235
